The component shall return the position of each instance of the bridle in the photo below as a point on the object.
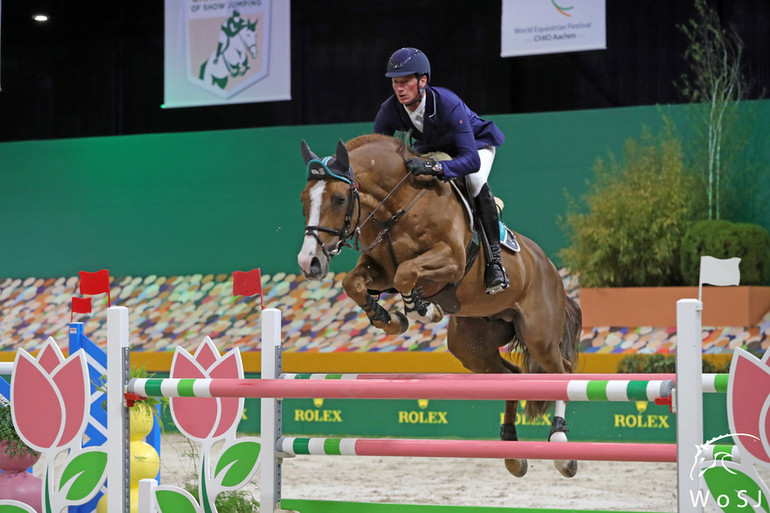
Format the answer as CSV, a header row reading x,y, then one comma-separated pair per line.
x,y
345,233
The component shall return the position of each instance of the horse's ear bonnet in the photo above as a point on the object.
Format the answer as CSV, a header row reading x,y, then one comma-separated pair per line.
x,y
328,168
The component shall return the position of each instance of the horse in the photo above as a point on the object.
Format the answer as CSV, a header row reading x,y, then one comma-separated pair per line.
x,y
231,58
414,236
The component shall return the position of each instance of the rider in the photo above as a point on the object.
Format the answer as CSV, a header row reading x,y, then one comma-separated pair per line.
x,y
230,28
441,121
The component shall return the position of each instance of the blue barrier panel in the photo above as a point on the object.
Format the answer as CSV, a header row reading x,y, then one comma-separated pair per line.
x,y
96,431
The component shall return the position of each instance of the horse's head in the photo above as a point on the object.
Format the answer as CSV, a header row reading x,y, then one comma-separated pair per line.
x,y
329,202
249,37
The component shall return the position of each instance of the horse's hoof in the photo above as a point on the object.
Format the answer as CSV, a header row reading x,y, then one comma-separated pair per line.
x,y
432,313
438,313
403,323
517,468
567,468
395,326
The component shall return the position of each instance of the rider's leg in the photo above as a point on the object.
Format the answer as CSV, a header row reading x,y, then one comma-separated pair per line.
x,y
494,275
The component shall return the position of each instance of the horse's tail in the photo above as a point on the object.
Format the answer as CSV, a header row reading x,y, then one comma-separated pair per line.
x,y
568,346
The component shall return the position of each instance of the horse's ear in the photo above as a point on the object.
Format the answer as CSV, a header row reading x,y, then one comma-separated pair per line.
x,y
307,154
343,159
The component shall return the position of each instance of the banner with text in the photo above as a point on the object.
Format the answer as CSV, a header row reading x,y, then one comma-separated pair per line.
x,y
531,27
220,52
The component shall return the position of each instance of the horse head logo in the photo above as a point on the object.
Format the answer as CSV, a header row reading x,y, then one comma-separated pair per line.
x,y
709,452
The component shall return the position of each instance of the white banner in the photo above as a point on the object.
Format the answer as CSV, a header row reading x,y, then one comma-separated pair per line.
x,y
531,27
221,52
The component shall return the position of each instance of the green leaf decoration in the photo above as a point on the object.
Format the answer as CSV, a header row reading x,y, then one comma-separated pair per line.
x,y
175,501
734,491
87,471
239,462
15,507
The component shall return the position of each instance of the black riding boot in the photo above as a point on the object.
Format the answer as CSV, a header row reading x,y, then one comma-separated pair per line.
x,y
494,274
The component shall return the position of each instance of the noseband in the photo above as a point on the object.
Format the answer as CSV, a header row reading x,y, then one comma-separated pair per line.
x,y
345,234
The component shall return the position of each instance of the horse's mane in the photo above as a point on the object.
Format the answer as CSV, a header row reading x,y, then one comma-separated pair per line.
x,y
362,140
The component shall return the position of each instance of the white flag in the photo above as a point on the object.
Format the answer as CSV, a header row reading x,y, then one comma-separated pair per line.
x,y
716,271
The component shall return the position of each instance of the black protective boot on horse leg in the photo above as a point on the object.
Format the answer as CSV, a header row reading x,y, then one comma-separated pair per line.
x,y
495,278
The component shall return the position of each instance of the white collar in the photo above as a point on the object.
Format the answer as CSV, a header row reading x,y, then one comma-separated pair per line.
x,y
418,115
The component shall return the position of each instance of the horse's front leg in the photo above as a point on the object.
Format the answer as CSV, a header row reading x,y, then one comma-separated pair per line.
x,y
369,275
440,265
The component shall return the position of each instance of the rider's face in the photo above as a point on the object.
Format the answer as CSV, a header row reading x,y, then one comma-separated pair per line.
x,y
407,88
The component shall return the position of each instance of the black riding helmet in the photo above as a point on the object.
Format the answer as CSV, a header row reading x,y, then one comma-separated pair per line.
x,y
408,61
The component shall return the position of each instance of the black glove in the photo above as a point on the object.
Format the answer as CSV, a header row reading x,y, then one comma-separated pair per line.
x,y
425,167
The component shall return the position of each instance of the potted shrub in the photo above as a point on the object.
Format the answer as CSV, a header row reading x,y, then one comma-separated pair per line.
x,y
15,458
11,446
638,246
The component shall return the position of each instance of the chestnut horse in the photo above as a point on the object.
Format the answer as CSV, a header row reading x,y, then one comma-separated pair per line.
x,y
413,234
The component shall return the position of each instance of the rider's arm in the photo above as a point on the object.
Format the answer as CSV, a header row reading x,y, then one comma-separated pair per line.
x,y
383,123
466,157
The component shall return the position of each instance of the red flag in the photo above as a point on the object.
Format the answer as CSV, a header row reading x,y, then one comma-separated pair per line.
x,y
96,283
248,284
80,305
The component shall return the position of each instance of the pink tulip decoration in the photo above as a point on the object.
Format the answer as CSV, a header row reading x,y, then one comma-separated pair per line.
x,y
207,420
51,388
748,404
50,404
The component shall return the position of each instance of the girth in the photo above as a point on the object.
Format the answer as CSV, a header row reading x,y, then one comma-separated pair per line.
x,y
446,298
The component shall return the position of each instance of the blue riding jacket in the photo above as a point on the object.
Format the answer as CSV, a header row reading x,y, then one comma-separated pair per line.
x,y
448,126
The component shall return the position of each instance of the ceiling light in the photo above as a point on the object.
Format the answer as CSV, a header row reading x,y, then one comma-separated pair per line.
x,y
40,17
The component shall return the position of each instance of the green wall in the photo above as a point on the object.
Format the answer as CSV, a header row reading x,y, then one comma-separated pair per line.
x,y
214,202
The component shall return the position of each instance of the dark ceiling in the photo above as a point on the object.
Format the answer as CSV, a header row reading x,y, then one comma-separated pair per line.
x,y
96,68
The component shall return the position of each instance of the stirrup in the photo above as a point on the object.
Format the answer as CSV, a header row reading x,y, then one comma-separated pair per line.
x,y
494,288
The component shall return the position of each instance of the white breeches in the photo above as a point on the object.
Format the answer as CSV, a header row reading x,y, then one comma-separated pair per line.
x,y
477,180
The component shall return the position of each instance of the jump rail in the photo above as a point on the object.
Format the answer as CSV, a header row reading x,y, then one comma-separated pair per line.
x,y
687,401
495,449
501,388
712,383
275,386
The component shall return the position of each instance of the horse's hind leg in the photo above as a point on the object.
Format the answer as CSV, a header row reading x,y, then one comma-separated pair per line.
x,y
543,336
476,343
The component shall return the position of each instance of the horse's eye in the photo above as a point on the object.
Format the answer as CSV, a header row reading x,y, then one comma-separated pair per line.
x,y
338,200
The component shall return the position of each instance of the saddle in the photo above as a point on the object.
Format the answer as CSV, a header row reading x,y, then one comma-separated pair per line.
x,y
446,298
507,237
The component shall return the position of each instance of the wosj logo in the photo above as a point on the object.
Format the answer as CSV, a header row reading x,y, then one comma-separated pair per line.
x,y
226,44
729,484
727,474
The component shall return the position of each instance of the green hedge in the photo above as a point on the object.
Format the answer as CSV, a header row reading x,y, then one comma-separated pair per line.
x,y
661,363
638,210
723,239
